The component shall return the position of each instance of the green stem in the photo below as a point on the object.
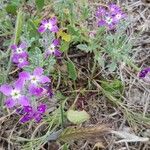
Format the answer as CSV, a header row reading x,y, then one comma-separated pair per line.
x,y
93,69
62,116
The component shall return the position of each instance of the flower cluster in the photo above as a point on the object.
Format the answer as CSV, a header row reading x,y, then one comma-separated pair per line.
x,y
25,92
51,25
32,113
20,55
145,74
110,16
53,49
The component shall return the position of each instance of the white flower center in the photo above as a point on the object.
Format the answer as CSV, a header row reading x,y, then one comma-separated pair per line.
x,y
51,48
19,50
21,60
15,94
112,9
48,26
108,20
34,79
118,16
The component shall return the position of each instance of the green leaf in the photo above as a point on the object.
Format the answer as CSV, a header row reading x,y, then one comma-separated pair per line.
x,y
98,57
77,117
39,4
112,86
64,46
84,48
36,57
71,70
112,67
65,147
11,8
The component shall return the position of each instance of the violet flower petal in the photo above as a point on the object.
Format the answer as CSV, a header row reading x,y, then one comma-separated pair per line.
x,y
37,117
44,21
56,42
41,108
26,118
54,29
24,75
37,91
41,29
44,79
38,71
6,89
57,53
28,109
23,64
23,45
10,102
19,84
53,21
14,47
102,23
24,101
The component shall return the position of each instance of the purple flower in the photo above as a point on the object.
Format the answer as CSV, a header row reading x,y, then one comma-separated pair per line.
x,y
20,55
109,17
50,24
47,90
21,49
114,9
20,60
53,49
26,118
36,80
14,94
35,90
143,73
33,114
42,108
108,21
100,12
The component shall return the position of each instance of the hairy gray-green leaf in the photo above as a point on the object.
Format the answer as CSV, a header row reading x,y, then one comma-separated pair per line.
x,y
84,47
77,117
71,70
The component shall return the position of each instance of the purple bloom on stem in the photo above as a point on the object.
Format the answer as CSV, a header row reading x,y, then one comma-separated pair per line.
x,y
53,50
114,9
48,90
35,90
36,79
120,15
14,94
20,60
100,12
50,24
42,108
109,17
143,73
26,118
32,113
21,49
27,109
108,22
102,23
